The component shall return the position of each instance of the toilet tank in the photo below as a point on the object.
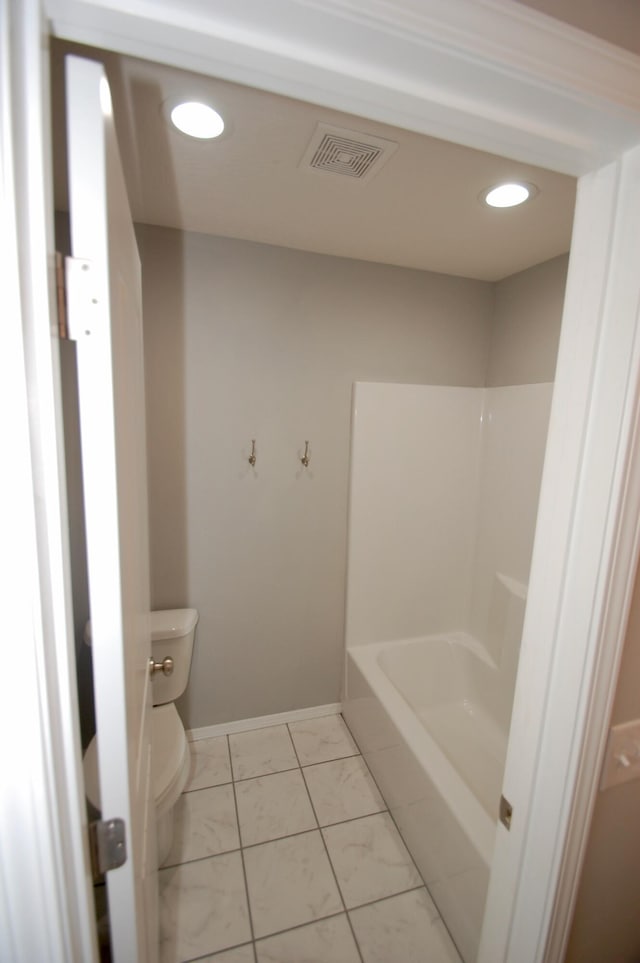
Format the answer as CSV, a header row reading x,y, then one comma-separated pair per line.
x,y
172,634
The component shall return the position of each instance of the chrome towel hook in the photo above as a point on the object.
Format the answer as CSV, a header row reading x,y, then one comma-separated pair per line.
x,y
252,456
305,458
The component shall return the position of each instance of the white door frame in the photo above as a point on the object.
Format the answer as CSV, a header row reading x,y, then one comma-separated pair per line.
x,y
46,890
495,76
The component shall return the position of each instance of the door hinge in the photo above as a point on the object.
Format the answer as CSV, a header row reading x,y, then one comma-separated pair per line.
x,y
61,297
506,812
107,845
82,300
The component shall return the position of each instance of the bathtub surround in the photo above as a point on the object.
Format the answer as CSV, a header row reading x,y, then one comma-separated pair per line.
x,y
440,541
513,438
444,493
414,470
249,341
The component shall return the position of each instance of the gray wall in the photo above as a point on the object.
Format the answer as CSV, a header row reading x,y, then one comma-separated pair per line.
x,y
250,341
526,325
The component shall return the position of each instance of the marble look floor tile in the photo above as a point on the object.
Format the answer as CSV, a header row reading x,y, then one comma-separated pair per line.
x,y
319,740
203,908
205,825
290,882
273,806
241,954
405,927
343,789
210,765
370,859
261,751
328,941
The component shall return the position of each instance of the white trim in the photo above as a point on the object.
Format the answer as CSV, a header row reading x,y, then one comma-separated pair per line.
x,y
43,830
619,375
486,73
584,555
263,722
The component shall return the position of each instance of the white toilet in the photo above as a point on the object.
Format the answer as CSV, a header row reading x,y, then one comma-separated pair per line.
x,y
172,635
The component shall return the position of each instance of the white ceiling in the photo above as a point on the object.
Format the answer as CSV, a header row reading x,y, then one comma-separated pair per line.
x,y
420,210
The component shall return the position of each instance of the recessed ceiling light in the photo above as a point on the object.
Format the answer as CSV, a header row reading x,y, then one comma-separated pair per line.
x,y
509,195
197,120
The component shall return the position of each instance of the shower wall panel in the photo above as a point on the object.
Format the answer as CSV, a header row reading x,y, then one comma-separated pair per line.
x,y
414,483
444,498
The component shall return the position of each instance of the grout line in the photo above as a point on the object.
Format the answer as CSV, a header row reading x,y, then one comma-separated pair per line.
x,y
383,899
231,767
388,810
276,839
234,778
239,726
299,926
307,765
314,829
225,782
199,859
324,843
244,868
353,819
262,775
324,762
216,953
320,919
217,785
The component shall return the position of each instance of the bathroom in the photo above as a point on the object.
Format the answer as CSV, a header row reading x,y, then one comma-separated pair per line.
x,y
568,129
264,369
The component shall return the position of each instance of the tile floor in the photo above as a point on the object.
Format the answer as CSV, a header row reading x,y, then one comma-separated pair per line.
x,y
284,853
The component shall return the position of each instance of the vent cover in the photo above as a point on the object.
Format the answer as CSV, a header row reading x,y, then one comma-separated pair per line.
x,y
333,150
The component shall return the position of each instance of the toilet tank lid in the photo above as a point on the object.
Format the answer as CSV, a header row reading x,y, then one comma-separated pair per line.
x,y
164,624
172,623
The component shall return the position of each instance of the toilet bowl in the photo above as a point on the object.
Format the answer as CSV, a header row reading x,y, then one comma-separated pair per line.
x,y
172,636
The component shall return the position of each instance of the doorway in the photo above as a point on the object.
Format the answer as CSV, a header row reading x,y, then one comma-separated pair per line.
x,y
603,139
391,322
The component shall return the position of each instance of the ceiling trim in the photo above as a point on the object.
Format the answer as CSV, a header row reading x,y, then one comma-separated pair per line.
x,y
455,69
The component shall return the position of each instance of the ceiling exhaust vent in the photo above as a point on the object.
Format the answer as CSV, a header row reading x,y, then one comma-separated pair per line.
x,y
333,150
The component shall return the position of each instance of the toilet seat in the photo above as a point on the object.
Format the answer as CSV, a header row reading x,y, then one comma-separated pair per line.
x,y
169,760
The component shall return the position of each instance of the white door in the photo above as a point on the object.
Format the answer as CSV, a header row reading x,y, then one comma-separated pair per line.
x,y
105,320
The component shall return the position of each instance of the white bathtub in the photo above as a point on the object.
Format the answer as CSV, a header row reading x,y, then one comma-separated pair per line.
x,y
431,717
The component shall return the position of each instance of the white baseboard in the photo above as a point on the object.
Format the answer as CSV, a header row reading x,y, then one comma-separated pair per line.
x,y
261,722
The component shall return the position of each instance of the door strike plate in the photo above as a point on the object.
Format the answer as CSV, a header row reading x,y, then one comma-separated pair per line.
x,y
506,812
108,843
